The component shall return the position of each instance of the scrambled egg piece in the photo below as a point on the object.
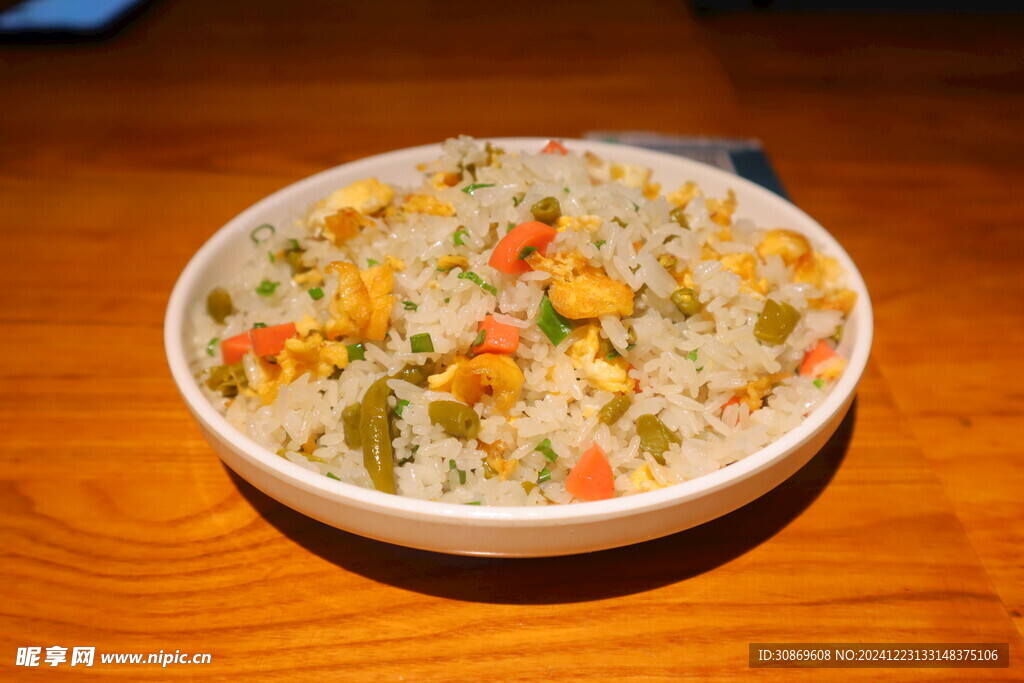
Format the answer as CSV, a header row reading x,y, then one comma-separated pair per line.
x,y
587,222
684,194
343,225
754,393
449,261
442,180
310,353
580,290
630,175
809,266
721,211
790,245
643,480
496,464
365,196
488,370
745,265
442,381
588,358
313,276
362,304
428,204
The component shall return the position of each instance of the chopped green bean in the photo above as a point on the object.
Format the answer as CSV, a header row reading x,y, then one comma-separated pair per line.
x,y
655,437
374,430
615,409
547,210
356,352
226,379
219,305
350,422
551,323
416,374
454,418
679,217
686,301
776,322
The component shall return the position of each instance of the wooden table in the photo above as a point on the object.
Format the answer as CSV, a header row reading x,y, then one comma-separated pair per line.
x,y
120,529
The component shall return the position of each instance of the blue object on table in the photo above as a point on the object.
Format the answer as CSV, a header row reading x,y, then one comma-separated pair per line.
x,y
745,158
64,16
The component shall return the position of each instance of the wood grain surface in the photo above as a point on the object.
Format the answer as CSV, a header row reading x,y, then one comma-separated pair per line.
x,y
120,529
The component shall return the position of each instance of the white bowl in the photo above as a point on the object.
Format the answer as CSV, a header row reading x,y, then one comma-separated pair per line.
x,y
510,531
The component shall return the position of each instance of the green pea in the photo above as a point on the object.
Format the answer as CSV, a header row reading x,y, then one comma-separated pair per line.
x,y
615,409
655,437
686,301
350,420
547,210
454,418
218,304
776,322
679,217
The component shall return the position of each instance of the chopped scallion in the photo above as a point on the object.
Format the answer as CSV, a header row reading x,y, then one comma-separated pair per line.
x,y
475,502
371,262
551,323
447,299
356,352
400,406
421,343
612,355
820,383
480,337
518,199
545,448
600,243
473,277
692,355
293,245
333,477
543,476
526,251
470,189
315,293
270,256
210,348
257,326
266,288
409,305
508,228
457,237
455,468
262,233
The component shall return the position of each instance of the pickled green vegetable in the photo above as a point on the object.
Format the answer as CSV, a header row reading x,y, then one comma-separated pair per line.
x,y
350,420
686,301
776,322
374,430
615,409
218,304
679,217
547,210
455,418
226,379
416,374
655,437
551,323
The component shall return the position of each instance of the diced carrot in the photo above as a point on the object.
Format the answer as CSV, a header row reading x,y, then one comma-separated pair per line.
x,y
734,401
636,382
232,350
816,357
498,337
508,255
269,341
554,147
592,478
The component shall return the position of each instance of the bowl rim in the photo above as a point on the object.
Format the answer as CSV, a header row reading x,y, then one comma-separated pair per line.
x,y
472,515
